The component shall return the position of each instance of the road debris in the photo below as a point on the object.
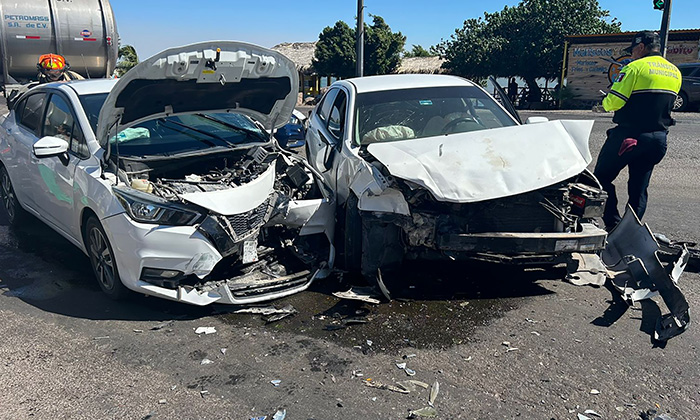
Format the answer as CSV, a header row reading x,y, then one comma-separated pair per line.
x,y
410,372
223,350
206,362
632,254
280,415
259,418
138,331
162,325
203,393
594,392
276,382
370,342
376,384
267,310
582,417
401,365
276,317
162,401
434,390
364,294
357,373
592,413
423,412
535,333
104,337
586,269
205,330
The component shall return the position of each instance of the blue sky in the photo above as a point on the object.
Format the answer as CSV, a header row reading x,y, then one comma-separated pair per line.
x,y
153,25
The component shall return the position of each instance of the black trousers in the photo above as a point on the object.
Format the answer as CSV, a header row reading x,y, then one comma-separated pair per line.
x,y
641,159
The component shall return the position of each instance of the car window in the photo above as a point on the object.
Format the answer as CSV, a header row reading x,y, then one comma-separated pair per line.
x,y
324,107
336,119
92,104
188,133
688,70
392,115
19,108
31,112
59,121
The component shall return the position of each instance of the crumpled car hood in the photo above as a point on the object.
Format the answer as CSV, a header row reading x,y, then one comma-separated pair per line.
x,y
487,164
236,200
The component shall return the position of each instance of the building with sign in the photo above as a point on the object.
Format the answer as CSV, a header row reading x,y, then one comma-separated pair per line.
x,y
593,61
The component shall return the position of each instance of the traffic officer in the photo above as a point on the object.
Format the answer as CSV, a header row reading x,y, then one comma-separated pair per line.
x,y
642,97
54,68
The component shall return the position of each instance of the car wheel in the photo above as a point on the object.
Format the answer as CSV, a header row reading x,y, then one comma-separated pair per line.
x,y
15,212
681,102
102,260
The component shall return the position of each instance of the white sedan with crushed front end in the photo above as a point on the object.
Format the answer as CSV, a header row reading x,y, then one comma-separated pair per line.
x,y
433,167
169,180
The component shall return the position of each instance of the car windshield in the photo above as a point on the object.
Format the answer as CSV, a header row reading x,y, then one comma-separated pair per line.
x,y
425,112
188,133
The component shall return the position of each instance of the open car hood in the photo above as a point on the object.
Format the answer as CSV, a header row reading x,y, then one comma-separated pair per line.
x,y
487,164
245,78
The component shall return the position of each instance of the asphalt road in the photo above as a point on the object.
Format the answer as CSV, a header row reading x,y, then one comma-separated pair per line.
x,y
69,352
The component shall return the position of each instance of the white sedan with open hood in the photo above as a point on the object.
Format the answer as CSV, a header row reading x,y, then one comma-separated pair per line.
x,y
168,178
432,167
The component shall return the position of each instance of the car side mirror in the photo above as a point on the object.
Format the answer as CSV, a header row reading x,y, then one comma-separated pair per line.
x,y
536,120
50,146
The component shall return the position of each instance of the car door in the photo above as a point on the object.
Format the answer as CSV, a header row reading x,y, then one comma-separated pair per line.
x,y
54,176
28,114
316,140
331,133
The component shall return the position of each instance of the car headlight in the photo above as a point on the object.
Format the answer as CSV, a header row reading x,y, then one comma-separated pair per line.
x,y
145,208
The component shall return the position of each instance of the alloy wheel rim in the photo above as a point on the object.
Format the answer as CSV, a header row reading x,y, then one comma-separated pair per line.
x,y
8,195
678,102
101,258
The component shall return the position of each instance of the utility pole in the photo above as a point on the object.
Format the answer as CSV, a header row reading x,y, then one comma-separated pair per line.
x,y
360,48
665,24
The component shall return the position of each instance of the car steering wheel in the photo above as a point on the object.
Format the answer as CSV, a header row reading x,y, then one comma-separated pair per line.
x,y
447,129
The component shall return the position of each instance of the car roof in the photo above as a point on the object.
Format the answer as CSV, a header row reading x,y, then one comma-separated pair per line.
x,y
405,81
91,86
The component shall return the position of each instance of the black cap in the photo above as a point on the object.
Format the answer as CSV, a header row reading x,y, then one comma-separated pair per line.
x,y
648,38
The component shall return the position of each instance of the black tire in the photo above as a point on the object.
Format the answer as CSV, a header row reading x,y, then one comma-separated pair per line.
x,y
352,236
15,213
102,260
681,102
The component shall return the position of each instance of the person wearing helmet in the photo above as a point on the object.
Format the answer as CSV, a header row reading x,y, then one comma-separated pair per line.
x,y
54,68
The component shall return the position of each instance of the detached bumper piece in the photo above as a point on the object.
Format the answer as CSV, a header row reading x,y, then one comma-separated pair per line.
x,y
632,256
590,239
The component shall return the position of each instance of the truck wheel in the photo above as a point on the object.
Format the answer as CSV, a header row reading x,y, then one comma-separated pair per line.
x,y
681,102
15,212
102,260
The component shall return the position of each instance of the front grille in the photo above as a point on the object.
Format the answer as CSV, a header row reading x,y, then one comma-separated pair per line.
x,y
244,223
521,213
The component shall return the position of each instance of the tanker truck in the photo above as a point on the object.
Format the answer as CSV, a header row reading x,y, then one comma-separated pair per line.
x,y
83,31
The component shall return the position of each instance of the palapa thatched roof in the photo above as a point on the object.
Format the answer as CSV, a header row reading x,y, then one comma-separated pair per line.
x,y
300,53
423,65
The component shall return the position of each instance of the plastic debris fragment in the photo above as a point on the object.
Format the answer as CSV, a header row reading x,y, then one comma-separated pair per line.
x,y
276,382
364,294
595,392
401,365
582,417
376,384
592,413
409,371
434,390
280,415
206,362
423,412
267,310
205,330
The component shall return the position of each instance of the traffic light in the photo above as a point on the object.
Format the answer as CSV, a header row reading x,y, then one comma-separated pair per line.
x,y
659,4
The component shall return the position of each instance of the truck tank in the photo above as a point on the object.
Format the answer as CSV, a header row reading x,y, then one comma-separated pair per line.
x,y
83,31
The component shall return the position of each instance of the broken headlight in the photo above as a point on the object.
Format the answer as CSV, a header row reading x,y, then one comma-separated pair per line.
x,y
144,208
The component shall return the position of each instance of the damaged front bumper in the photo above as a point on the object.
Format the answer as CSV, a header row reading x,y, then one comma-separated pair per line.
x,y
201,265
505,244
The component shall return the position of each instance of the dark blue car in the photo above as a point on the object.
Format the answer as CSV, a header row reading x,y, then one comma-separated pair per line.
x,y
292,135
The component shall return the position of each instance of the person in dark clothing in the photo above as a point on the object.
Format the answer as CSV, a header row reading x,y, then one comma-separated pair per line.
x,y
642,97
512,89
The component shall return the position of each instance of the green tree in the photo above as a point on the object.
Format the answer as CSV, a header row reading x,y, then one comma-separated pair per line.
x,y
335,53
526,40
418,51
126,60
